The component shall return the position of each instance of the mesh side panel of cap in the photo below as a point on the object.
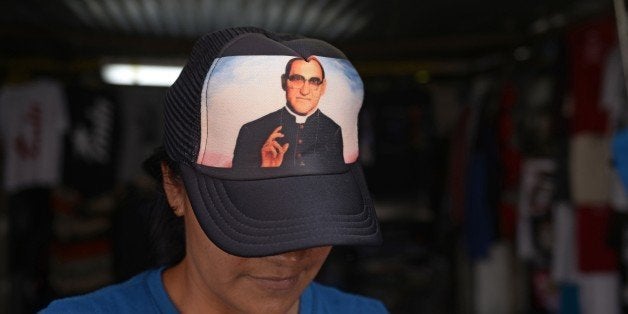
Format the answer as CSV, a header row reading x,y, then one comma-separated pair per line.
x,y
182,104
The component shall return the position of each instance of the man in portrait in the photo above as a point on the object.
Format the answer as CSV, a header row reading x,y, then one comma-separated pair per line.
x,y
297,135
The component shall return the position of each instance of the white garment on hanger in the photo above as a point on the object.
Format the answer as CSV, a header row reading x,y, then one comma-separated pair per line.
x,y
33,120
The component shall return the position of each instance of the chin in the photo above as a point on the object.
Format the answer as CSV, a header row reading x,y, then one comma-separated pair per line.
x,y
274,307
304,109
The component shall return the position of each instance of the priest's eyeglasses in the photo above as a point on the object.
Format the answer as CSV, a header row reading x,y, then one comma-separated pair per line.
x,y
297,81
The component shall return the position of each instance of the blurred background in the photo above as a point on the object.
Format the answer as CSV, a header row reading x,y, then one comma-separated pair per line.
x,y
492,135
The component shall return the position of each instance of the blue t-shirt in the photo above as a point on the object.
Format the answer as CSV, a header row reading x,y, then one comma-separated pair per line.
x,y
145,293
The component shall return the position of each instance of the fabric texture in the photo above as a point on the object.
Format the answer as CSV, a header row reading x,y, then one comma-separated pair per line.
x,y
595,254
598,293
145,293
535,201
589,45
613,93
590,169
479,220
91,149
619,153
318,135
493,284
569,299
183,139
33,121
29,235
564,261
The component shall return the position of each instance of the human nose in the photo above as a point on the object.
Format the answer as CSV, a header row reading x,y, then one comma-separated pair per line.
x,y
305,89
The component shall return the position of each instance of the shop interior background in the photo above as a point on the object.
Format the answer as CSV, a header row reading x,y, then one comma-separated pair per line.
x,y
491,136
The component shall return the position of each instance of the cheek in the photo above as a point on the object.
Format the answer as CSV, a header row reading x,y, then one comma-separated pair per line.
x,y
315,97
319,255
217,266
290,93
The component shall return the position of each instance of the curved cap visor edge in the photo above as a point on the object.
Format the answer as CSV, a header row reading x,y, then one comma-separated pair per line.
x,y
266,217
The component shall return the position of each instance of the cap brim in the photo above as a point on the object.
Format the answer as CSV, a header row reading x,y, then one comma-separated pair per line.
x,y
252,218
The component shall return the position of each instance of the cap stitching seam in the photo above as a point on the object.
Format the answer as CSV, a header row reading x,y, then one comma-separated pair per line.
x,y
229,227
226,193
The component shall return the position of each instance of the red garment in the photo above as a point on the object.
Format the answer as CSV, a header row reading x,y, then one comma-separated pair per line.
x,y
507,220
589,45
592,227
509,153
458,166
510,160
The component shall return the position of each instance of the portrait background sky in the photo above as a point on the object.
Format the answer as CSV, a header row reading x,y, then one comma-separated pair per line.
x,y
240,89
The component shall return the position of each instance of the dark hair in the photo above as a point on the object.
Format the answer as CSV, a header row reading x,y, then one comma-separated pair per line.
x,y
289,66
166,230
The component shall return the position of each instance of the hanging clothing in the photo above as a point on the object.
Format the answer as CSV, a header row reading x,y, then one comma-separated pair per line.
x,y
92,143
589,169
33,121
592,230
589,45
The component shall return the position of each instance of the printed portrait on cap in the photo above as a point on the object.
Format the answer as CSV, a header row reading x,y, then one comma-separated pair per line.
x,y
280,112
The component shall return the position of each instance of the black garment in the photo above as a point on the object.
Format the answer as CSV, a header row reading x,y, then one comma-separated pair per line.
x,y
91,150
317,143
29,235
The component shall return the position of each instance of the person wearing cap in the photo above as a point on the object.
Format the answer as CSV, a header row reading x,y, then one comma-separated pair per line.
x,y
280,139
245,240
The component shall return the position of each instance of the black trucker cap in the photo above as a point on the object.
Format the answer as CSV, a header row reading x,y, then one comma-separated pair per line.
x,y
264,127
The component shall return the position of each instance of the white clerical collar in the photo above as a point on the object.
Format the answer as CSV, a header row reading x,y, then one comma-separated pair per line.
x,y
299,118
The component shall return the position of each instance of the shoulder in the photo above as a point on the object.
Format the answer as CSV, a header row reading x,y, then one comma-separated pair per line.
x,y
318,298
271,117
131,296
327,120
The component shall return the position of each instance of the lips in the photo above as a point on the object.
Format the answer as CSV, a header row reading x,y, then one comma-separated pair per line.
x,y
276,283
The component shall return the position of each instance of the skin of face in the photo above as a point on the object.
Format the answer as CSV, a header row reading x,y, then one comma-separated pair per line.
x,y
209,280
304,100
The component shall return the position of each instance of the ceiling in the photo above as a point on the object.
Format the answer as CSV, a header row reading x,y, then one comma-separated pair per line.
x,y
365,29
